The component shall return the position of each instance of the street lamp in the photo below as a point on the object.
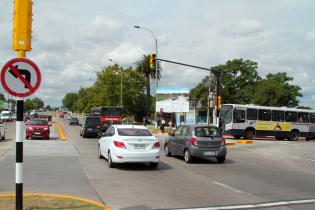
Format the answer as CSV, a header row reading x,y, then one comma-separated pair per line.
x,y
121,85
156,63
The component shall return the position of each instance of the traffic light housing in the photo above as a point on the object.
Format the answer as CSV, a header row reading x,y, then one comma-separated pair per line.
x,y
152,62
22,26
219,102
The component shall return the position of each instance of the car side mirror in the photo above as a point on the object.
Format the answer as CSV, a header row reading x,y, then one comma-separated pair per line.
x,y
103,134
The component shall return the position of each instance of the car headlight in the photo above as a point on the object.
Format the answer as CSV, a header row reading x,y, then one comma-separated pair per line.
x,y
46,129
30,128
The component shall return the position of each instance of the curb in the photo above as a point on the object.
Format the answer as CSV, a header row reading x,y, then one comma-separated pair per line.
x,y
59,196
244,141
229,143
60,131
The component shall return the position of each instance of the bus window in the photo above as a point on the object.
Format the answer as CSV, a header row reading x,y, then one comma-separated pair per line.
x,y
238,116
251,114
303,117
291,116
264,115
312,117
278,116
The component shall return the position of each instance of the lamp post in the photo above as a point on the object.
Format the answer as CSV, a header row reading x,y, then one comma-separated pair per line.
x,y
156,65
121,85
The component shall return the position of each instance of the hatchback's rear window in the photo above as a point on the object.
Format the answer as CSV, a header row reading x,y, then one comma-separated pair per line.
x,y
133,132
206,132
93,121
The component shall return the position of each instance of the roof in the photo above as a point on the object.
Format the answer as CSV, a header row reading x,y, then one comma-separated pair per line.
x,y
270,107
131,126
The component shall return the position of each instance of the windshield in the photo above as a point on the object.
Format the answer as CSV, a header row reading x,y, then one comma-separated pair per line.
x,y
115,111
133,132
39,122
93,121
206,132
226,115
5,114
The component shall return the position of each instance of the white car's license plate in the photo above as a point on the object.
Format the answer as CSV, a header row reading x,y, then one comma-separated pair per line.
x,y
210,153
139,146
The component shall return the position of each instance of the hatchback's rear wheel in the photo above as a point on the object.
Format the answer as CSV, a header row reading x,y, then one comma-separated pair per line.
x,y
166,151
187,156
221,159
110,162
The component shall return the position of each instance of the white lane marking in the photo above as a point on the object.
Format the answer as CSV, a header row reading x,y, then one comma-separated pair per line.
x,y
251,206
228,187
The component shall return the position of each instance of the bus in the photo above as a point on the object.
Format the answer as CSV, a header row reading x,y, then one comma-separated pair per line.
x,y
109,114
248,121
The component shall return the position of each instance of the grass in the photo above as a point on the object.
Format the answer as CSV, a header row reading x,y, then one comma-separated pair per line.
x,y
47,203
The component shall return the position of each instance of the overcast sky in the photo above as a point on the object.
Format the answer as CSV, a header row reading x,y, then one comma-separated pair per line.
x,y
74,38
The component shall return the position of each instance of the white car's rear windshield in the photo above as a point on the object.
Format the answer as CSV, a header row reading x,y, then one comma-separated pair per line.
x,y
133,132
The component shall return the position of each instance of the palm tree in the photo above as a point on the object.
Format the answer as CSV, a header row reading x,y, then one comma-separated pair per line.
x,y
143,67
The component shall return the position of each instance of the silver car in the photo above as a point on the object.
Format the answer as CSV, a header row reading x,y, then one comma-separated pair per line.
x,y
196,141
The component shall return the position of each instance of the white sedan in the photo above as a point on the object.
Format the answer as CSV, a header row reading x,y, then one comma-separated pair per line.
x,y
129,144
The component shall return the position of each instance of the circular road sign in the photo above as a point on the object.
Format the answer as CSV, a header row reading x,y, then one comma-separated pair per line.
x,y
20,77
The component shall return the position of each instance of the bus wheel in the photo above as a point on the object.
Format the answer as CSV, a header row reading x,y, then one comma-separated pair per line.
x,y
237,136
249,134
294,136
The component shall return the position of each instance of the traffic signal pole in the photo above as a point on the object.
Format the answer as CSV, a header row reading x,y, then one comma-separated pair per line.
x,y
216,74
22,35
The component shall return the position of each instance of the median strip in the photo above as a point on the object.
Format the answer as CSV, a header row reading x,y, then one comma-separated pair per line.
x,y
60,131
49,201
245,141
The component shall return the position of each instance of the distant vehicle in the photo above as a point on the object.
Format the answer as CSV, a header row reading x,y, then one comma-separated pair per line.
x,y
196,141
2,131
109,115
129,144
69,114
249,120
6,116
74,121
61,115
38,128
91,126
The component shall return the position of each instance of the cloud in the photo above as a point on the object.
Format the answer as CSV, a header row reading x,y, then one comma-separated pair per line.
x,y
310,36
245,27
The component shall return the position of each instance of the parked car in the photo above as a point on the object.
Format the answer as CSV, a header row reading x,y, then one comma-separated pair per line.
x,y
37,128
2,131
74,121
61,115
129,143
6,116
192,141
91,126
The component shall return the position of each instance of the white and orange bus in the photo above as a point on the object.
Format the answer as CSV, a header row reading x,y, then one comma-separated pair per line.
x,y
281,122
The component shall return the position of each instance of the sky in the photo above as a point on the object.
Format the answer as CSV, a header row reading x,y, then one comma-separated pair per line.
x,y
73,39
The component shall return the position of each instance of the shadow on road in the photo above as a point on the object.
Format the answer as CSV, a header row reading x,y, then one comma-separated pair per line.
x,y
143,167
210,160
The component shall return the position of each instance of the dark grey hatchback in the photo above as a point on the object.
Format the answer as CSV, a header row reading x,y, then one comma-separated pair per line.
x,y
196,141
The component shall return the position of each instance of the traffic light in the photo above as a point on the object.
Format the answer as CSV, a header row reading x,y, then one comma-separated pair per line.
x,y
22,26
219,102
152,62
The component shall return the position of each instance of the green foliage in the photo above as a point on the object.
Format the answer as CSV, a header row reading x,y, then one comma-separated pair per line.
x,y
35,103
28,105
69,101
2,97
241,84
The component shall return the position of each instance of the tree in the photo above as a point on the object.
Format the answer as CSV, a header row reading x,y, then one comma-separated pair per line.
x,y
143,67
2,97
48,108
276,90
237,79
28,105
38,103
69,101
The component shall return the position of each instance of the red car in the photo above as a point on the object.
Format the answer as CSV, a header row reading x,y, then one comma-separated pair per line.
x,y
38,128
61,115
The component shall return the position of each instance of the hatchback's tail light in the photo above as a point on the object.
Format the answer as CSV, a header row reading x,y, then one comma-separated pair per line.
x,y
223,141
193,141
119,144
156,145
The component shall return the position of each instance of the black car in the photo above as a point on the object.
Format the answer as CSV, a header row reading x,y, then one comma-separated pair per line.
x,y
74,121
91,126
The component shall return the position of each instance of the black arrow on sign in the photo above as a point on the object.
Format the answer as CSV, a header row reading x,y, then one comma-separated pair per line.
x,y
24,72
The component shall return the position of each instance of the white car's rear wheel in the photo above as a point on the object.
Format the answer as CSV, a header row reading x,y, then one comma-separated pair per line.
x,y
110,162
99,153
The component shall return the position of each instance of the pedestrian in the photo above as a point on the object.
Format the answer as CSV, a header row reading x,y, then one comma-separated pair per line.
x,y
162,126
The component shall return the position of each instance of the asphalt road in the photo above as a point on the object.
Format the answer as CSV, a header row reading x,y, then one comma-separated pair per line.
x,y
261,173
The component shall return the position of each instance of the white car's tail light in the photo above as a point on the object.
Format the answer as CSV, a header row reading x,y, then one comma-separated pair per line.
x,y
120,144
156,145
193,141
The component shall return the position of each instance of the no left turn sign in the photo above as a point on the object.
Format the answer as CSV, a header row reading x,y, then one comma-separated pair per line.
x,y
20,77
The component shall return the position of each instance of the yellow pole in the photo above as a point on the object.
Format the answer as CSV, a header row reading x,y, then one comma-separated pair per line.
x,y
21,54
